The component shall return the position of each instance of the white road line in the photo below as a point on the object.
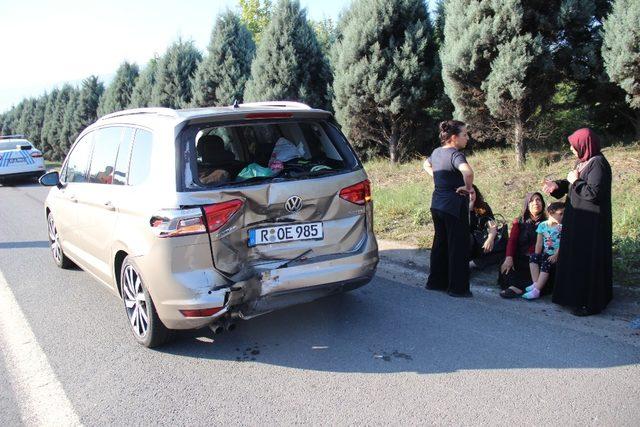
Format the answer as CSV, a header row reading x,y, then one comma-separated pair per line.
x,y
41,398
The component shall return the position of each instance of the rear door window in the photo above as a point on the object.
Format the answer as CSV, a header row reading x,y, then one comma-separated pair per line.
x,y
105,150
140,165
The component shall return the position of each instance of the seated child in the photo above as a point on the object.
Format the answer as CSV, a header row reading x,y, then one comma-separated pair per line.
x,y
543,260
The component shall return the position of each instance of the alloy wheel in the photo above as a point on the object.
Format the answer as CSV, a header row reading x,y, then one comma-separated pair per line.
x,y
56,250
135,302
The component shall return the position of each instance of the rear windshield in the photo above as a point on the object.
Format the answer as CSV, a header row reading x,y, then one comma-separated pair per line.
x,y
240,154
12,145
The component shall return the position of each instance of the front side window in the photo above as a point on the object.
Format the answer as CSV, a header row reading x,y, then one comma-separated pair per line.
x,y
140,165
78,160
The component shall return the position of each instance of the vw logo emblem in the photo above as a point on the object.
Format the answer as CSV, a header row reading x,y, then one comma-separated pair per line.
x,y
293,204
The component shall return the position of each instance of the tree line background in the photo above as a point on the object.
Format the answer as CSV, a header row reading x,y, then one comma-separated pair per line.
x,y
521,73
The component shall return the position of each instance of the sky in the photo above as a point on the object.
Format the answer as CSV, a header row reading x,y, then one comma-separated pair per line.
x,y
45,43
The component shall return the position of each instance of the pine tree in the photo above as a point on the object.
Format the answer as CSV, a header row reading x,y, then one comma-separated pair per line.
x,y
48,123
621,51
55,123
498,66
289,64
26,118
38,120
142,91
118,94
385,63
438,23
325,31
175,71
91,91
221,77
70,125
255,14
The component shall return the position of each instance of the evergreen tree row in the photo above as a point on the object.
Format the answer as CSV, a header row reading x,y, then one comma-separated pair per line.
x,y
519,72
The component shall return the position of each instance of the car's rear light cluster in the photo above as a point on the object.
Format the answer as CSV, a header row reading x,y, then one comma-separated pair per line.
x,y
184,222
203,312
217,215
359,193
36,154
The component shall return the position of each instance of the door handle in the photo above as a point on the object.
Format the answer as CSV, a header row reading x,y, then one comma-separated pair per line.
x,y
109,206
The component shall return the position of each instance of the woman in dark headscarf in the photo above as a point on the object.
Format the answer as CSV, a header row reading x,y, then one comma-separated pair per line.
x,y
584,271
515,275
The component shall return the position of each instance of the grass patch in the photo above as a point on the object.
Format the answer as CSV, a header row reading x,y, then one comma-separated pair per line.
x,y
402,196
52,165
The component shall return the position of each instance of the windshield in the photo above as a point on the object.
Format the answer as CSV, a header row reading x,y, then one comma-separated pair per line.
x,y
246,153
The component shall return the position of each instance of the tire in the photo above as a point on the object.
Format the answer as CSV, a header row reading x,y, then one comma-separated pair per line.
x,y
142,317
59,257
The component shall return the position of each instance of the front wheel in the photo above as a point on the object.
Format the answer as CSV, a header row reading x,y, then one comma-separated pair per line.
x,y
59,257
146,326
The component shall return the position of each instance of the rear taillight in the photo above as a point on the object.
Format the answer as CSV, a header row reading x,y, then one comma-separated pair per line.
x,y
36,154
218,214
203,312
359,193
183,222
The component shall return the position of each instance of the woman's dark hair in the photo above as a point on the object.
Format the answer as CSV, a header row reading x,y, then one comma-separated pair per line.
x,y
526,214
448,128
480,206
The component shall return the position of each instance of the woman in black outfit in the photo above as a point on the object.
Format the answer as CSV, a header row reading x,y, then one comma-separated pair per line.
x,y
515,274
453,182
584,271
485,246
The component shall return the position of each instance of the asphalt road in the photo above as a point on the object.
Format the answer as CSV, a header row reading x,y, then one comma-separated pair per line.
x,y
388,353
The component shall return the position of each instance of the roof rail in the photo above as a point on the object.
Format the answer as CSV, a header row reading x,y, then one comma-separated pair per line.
x,y
12,136
157,110
281,104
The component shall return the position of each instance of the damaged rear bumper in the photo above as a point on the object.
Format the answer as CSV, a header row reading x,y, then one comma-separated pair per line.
x,y
266,290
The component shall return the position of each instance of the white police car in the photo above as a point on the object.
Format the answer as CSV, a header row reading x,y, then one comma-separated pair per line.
x,y
19,158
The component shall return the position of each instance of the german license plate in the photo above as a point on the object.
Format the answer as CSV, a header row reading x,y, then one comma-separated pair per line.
x,y
286,233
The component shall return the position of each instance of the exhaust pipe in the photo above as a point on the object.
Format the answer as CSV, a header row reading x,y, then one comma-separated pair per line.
x,y
217,328
229,325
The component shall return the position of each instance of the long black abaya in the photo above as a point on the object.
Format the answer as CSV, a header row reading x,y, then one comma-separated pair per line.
x,y
584,271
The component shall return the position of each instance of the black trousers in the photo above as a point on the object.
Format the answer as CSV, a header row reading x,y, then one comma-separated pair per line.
x,y
450,252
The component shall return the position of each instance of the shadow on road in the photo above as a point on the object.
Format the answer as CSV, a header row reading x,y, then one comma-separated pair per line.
x,y
390,327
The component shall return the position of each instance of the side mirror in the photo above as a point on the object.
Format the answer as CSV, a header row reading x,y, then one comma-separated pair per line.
x,y
50,179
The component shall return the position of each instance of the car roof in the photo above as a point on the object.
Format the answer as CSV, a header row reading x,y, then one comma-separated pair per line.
x,y
238,111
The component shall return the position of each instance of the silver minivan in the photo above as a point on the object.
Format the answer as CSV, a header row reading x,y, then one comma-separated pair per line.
x,y
203,216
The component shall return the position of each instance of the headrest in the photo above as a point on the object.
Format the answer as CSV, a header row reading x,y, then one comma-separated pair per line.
x,y
211,149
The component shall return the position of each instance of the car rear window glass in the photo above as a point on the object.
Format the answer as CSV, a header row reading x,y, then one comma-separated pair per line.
x,y
12,145
105,149
78,160
291,149
140,157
